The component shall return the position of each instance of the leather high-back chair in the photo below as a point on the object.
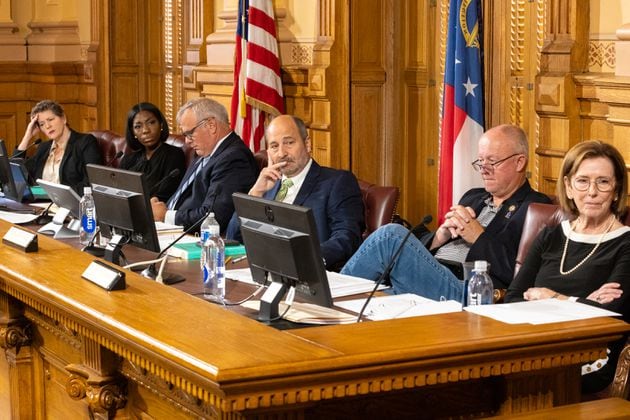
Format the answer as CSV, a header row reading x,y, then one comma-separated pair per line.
x,y
110,143
537,218
179,140
379,205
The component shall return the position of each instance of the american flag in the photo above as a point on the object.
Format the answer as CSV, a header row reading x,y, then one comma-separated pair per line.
x,y
462,108
257,81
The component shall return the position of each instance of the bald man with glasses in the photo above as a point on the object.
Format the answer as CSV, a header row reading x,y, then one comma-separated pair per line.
x,y
485,225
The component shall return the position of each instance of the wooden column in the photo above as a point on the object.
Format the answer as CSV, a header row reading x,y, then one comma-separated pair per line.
x,y
564,55
15,339
12,43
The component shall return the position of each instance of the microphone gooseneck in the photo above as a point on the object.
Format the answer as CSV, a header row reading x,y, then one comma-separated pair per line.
x,y
20,153
425,220
174,173
116,156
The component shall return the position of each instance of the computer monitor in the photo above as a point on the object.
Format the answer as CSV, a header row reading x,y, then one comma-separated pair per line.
x,y
123,210
6,177
67,201
282,243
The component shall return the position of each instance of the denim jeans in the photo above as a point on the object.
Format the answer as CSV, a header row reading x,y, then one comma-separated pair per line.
x,y
415,270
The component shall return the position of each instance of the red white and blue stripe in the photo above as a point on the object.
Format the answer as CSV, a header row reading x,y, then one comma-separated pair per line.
x,y
257,79
462,108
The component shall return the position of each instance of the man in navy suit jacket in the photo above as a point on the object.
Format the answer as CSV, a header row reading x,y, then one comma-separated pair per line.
x,y
224,165
333,195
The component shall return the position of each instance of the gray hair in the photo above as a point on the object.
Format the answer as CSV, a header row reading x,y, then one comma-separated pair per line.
x,y
205,108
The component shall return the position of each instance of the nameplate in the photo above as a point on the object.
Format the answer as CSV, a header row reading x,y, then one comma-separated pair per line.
x,y
21,239
105,276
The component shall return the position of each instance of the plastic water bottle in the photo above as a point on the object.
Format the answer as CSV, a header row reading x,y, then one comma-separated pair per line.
x,y
212,260
87,214
480,286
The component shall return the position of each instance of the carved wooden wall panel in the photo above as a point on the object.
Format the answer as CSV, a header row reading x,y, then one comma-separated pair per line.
x,y
417,147
371,71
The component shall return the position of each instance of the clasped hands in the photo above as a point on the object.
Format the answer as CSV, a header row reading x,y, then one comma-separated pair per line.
x,y
605,294
460,222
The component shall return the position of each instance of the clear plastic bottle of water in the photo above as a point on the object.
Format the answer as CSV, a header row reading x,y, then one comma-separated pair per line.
x,y
87,214
480,287
212,260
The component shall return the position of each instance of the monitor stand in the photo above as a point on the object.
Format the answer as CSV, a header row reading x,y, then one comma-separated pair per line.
x,y
58,230
270,300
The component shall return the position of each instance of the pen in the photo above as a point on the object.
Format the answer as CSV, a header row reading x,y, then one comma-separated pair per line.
x,y
228,259
239,259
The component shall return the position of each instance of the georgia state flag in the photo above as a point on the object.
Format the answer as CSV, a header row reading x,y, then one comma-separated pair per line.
x,y
462,118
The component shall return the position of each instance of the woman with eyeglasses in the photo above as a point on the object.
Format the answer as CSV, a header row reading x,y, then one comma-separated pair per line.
x,y
163,164
61,160
585,259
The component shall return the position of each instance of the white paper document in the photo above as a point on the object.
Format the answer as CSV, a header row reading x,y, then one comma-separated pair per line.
x,y
400,306
165,238
307,313
17,218
340,284
543,311
167,227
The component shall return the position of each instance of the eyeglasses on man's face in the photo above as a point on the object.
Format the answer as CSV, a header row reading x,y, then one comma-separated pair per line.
x,y
602,184
189,133
490,166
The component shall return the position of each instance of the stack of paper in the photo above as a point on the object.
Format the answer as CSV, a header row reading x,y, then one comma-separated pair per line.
x,y
400,306
543,311
306,313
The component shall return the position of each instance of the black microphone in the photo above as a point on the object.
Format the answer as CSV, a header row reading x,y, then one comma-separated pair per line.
x,y
174,173
385,274
90,248
116,156
44,217
19,153
169,279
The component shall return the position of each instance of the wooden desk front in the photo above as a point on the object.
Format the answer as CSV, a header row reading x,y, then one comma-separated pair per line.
x,y
152,350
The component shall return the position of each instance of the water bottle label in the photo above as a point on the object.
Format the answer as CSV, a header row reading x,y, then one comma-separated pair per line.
x,y
88,222
474,299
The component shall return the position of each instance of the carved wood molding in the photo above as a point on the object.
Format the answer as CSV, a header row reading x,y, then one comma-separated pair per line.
x,y
58,329
14,334
104,394
174,396
621,384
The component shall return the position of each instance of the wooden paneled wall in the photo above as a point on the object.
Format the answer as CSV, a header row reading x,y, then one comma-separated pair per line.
x,y
370,97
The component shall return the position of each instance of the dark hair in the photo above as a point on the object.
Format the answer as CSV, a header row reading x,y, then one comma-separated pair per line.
x,y
589,150
132,141
301,127
48,105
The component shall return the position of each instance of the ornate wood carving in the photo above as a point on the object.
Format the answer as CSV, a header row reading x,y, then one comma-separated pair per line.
x,y
104,394
175,396
621,384
14,335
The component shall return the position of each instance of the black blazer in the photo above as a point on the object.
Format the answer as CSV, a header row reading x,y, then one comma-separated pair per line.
x,y
165,159
231,169
81,149
498,244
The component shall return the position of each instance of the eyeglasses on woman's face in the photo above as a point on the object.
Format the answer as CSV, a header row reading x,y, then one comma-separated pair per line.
x,y
603,184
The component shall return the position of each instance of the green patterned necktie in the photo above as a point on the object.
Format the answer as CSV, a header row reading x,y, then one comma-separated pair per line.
x,y
284,188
